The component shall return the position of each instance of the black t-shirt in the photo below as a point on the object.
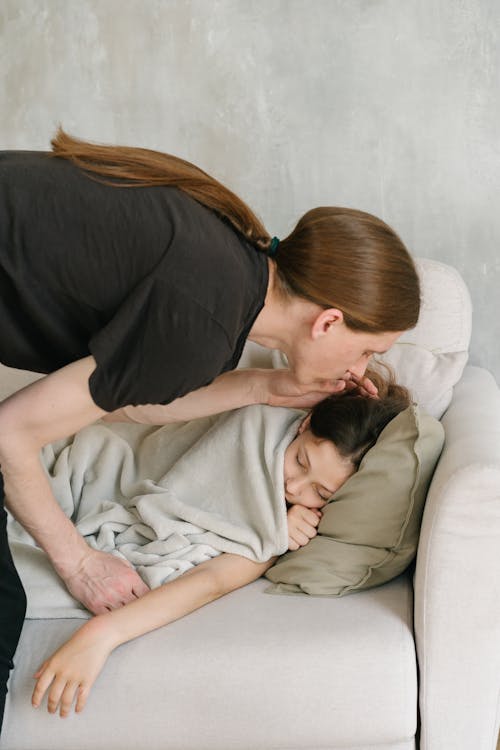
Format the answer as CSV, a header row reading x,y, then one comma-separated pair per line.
x,y
158,288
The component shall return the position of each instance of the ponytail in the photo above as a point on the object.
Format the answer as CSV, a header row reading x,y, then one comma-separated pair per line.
x,y
335,257
141,167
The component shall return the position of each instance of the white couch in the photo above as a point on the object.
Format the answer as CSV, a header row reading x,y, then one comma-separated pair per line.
x,y
412,664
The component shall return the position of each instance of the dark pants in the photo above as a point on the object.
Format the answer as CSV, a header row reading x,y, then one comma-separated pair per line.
x,y
12,606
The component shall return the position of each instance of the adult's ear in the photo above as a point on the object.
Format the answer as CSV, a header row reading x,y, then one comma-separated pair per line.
x,y
325,320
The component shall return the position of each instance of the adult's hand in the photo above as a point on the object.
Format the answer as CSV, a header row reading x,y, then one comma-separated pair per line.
x,y
363,385
283,389
103,582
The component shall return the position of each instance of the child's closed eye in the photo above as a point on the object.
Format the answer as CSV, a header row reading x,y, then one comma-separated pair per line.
x,y
300,463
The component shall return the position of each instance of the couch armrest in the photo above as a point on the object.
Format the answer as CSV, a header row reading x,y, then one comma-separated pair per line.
x,y
457,576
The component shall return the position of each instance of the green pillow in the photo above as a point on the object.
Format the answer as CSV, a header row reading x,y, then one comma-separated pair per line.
x,y
370,527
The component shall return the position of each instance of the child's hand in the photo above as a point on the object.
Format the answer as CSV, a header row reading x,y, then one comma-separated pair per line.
x,y
302,523
72,669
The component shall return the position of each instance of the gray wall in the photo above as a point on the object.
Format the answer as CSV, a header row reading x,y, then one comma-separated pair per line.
x,y
391,106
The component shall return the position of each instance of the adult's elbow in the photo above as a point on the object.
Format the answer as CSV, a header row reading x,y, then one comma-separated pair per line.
x,y
17,442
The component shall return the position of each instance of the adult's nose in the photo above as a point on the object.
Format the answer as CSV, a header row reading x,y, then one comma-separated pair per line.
x,y
359,368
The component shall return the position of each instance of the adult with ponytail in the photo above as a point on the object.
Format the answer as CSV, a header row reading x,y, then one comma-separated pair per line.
x,y
133,279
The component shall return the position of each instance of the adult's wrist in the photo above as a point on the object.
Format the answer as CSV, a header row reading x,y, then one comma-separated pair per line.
x,y
69,561
260,386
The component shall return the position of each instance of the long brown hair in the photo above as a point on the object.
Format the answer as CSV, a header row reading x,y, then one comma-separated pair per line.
x,y
335,257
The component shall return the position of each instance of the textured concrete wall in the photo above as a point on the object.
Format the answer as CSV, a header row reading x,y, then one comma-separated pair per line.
x,y
392,107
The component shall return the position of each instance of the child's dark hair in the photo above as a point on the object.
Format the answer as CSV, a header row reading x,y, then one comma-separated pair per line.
x,y
354,422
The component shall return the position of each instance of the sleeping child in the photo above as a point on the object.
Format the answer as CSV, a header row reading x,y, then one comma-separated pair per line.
x,y
170,500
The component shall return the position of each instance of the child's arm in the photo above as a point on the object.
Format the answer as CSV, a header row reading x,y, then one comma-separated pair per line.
x,y
73,668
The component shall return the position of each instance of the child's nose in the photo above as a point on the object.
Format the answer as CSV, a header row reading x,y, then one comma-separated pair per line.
x,y
294,485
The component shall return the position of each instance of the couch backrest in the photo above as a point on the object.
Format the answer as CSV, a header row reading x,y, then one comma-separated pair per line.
x,y
445,320
430,359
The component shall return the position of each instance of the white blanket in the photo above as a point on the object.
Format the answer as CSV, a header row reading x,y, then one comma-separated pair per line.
x,y
165,498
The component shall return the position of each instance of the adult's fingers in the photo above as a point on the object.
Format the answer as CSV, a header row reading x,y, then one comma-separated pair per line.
x,y
333,386
115,598
365,385
137,589
99,608
140,588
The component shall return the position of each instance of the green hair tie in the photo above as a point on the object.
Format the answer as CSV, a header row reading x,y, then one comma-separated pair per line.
x,y
273,247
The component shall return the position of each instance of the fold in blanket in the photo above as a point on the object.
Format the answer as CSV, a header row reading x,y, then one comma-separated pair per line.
x,y
165,498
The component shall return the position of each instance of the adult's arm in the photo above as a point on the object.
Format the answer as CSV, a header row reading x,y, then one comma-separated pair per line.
x,y
59,405
232,390
51,408
74,667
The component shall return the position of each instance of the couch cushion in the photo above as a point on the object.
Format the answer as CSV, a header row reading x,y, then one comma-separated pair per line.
x,y
369,530
247,672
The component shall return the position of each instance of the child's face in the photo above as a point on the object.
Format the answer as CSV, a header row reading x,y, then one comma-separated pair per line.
x,y
313,470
